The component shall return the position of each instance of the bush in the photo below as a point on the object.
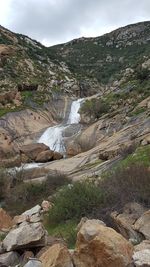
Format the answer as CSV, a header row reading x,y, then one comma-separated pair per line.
x,y
142,74
66,231
94,108
4,183
29,194
75,201
126,184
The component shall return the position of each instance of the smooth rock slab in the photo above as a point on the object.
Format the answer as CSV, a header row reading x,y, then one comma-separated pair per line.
x,y
9,258
25,236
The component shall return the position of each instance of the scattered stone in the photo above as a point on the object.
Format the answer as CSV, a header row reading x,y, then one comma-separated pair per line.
x,y
56,255
46,205
145,244
98,245
5,220
34,263
84,219
10,258
142,225
25,236
26,256
142,258
124,222
32,211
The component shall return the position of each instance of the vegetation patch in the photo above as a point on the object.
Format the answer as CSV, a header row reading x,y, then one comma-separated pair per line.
x,y
75,201
94,108
14,191
66,231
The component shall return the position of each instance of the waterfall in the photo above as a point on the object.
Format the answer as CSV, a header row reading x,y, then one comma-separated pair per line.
x,y
74,116
53,136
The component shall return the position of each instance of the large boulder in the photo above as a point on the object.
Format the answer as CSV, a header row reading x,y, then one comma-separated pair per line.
x,y
56,256
33,150
5,220
45,156
10,258
142,225
98,245
25,236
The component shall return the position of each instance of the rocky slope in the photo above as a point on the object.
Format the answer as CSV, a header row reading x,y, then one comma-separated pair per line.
x,y
29,69
96,245
106,58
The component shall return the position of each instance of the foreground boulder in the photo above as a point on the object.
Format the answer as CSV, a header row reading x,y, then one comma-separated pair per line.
x,y
25,236
56,256
98,245
5,220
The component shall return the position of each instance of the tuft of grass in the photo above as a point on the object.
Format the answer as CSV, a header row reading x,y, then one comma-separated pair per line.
x,y
140,156
66,231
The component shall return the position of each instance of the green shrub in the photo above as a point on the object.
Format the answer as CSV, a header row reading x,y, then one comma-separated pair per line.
x,y
66,231
95,108
29,194
75,201
142,74
127,184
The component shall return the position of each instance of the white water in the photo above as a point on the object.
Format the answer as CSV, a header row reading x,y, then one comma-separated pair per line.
x,y
53,136
74,116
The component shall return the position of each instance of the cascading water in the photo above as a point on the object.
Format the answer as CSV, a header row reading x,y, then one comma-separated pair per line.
x,y
74,116
53,136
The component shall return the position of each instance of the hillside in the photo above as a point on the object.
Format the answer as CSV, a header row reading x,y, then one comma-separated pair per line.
x,y
28,67
106,57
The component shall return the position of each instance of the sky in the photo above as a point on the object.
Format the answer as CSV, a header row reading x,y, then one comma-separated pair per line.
x,y
57,21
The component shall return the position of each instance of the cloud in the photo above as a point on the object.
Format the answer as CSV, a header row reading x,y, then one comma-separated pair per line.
x,y
56,21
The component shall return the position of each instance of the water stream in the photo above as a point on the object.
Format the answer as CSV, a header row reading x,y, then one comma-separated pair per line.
x,y
53,136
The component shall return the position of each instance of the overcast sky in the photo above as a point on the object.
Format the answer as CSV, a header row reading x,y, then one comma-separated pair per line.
x,y
57,21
